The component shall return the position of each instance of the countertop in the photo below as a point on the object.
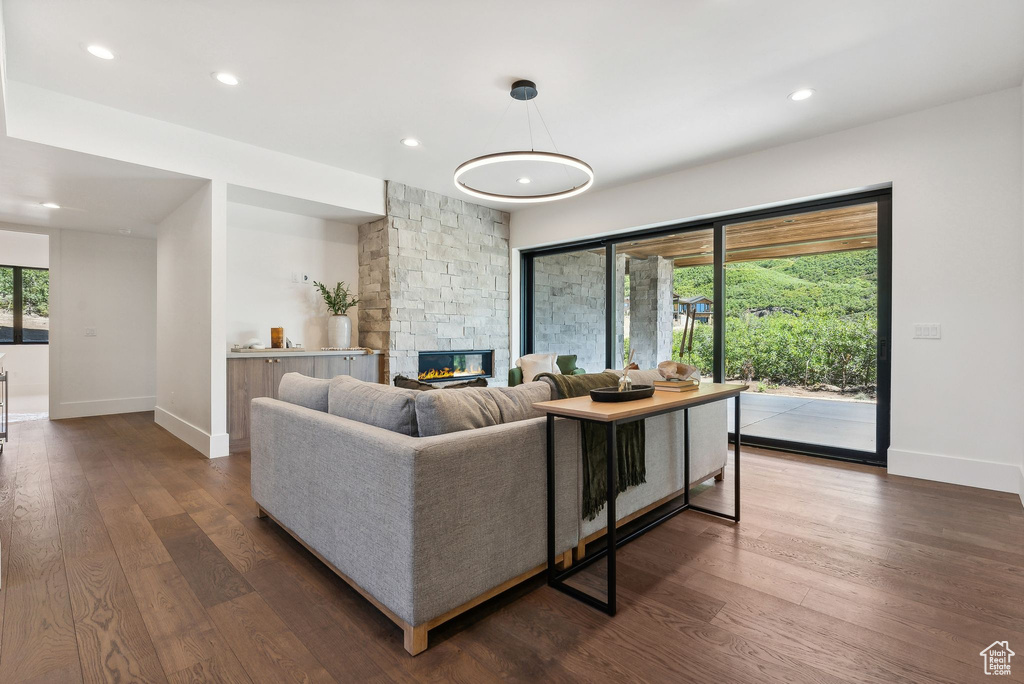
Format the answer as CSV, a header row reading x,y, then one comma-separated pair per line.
x,y
275,353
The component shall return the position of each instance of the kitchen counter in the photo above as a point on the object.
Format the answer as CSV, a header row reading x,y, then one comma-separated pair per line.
x,y
276,353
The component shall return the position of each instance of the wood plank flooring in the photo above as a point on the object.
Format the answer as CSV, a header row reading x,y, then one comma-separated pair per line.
x,y
129,557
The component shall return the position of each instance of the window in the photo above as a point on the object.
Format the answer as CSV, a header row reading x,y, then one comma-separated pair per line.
x,y
24,305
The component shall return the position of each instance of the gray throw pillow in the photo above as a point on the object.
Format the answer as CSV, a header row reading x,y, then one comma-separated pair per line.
x,y
299,389
383,406
439,413
521,399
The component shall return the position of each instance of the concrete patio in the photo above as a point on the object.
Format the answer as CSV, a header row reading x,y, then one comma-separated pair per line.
x,y
829,422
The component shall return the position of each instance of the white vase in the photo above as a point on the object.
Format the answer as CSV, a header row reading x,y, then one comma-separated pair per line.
x,y
339,332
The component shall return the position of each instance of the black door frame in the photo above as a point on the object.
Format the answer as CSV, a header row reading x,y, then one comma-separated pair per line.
x,y
883,198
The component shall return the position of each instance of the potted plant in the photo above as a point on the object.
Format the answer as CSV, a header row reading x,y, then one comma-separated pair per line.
x,y
339,327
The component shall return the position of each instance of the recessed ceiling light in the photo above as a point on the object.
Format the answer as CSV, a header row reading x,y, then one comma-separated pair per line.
x,y
410,142
49,205
523,181
226,78
99,51
802,94
124,231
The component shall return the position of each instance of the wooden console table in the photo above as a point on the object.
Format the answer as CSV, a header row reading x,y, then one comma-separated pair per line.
x,y
614,415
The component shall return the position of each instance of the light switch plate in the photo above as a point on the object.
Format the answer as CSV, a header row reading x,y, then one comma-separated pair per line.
x,y
90,332
927,331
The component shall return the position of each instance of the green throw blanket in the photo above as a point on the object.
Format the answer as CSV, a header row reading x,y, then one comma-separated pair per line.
x,y
629,443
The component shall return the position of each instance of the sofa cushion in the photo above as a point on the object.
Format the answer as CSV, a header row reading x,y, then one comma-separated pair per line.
x,y
533,365
299,389
439,413
383,406
409,383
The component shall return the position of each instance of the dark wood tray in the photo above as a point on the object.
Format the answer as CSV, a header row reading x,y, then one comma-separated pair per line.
x,y
612,394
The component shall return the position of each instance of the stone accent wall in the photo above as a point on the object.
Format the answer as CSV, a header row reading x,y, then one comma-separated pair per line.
x,y
650,310
434,275
569,306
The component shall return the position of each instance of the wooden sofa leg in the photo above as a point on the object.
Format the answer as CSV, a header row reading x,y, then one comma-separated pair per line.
x,y
579,551
720,475
415,639
260,513
564,562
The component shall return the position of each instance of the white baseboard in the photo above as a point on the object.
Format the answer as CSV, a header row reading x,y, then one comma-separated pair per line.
x,y
999,477
1020,488
103,407
211,446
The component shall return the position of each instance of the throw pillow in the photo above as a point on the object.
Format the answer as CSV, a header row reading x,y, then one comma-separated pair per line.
x,y
383,406
439,413
409,383
298,389
533,365
521,399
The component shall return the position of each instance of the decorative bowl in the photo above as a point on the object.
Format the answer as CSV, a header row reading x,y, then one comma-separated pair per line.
x,y
613,393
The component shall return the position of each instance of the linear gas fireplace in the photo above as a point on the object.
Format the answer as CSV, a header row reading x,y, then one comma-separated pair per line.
x,y
444,366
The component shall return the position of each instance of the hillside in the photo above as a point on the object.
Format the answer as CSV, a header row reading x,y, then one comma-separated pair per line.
x,y
835,284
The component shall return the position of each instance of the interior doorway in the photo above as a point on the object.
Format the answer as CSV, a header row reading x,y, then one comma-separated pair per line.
x,y
25,323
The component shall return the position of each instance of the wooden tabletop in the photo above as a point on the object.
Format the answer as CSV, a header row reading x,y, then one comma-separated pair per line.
x,y
606,412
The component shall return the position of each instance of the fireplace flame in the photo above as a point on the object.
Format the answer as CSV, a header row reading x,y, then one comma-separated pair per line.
x,y
444,373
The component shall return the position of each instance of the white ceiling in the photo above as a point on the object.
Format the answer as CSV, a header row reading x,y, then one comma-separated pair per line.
x,y
95,194
635,89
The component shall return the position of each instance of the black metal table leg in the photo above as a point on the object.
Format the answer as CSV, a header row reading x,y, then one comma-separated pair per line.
x,y
611,459
556,577
686,455
551,497
735,517
736,457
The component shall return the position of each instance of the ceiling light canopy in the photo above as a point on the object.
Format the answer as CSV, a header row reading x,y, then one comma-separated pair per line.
x,y
410,142
802,94
226,78
49,205
99,51
579,174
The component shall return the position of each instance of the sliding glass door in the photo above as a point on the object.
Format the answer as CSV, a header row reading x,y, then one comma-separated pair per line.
x,y
793,302
801,319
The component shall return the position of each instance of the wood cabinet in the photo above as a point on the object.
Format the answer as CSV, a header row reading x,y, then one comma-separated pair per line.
x,y
249,378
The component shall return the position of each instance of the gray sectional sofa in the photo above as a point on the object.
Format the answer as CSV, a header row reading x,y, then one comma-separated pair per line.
x,y
426,527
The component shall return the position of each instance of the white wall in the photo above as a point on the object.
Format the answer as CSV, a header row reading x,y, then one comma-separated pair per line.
x,y
956,172
265,248
191,342
1020,488
28,365
107,283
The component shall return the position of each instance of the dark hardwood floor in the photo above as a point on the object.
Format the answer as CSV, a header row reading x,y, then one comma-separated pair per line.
x,y
129,557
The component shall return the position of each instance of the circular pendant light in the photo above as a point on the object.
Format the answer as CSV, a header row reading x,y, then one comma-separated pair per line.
x,y
525,91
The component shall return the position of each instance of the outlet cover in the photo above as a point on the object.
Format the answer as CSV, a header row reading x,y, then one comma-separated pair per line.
x,y
90,332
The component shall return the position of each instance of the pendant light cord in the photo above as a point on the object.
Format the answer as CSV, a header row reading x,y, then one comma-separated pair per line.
x,y
552,139
529,125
